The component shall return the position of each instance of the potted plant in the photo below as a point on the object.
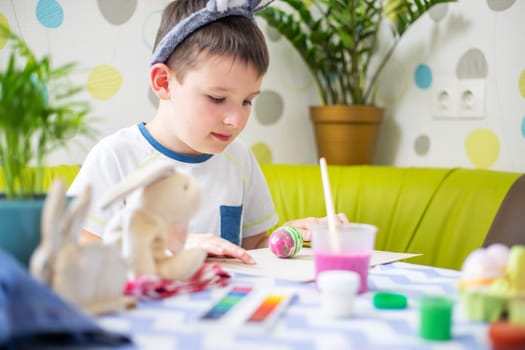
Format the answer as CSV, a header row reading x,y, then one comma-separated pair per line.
x,y
39,112
337,40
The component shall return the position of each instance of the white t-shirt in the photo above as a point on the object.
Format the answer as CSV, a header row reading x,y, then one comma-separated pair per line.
x,y
235,200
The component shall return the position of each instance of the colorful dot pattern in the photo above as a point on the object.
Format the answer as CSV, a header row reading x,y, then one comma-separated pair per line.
x,y
289,88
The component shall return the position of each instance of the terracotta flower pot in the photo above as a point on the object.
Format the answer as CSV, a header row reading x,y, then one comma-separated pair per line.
x,y
346,134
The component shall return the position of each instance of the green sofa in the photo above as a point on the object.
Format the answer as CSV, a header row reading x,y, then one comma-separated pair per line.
x,y
443,214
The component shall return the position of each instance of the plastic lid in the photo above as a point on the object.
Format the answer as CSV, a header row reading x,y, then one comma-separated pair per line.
x,y
385,300
338,281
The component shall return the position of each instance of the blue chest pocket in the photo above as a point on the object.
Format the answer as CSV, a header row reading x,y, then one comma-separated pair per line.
x,y
231,223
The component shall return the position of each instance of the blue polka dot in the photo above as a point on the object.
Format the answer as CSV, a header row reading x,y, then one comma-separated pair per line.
x,y
523,127
49,13
423,76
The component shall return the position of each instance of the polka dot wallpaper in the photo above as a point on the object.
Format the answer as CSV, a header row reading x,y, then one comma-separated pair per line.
x,y
111,40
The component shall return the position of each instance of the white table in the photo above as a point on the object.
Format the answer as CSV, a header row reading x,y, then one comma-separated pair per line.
x,y
174,323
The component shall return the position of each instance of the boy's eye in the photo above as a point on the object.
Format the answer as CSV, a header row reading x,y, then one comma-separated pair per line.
x,y
216,99
248,102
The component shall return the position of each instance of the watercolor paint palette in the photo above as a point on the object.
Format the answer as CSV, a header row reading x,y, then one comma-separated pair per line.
x,y
248,308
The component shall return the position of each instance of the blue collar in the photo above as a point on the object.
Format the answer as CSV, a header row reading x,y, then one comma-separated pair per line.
x,y
168,152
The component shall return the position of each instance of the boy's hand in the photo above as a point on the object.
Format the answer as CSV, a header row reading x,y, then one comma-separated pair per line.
x,y
217,246
303,225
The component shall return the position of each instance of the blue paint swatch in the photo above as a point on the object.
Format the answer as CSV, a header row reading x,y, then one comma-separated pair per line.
x,y
227,303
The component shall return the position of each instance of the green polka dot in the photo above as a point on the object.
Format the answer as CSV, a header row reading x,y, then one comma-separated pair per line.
x,y
295,75
438,12
483,147
262,153
472,65
273,34
422,145
393,82
104,82
3,23
268,107
521,83
500,5
117,12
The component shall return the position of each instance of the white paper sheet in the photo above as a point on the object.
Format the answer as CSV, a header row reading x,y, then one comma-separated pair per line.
x,y
300,268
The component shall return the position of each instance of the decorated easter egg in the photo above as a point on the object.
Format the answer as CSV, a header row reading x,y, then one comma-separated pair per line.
x,y
285,242
483,266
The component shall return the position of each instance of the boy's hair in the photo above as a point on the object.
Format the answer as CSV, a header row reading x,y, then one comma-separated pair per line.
x,y
236,36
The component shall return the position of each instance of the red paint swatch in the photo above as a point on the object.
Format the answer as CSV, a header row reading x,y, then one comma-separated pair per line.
x,y
269,305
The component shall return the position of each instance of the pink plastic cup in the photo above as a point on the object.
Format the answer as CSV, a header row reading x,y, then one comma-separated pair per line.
x,y
355,244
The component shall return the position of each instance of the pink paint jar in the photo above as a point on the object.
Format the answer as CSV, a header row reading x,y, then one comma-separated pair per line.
x,y
350,250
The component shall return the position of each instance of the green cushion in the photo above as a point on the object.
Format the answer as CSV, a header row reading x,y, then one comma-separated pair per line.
x,y
459,216
442,213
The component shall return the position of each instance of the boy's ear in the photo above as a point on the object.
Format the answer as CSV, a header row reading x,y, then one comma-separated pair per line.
x,y
159,80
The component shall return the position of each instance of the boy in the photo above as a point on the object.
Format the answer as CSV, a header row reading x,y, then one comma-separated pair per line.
x,y
208,63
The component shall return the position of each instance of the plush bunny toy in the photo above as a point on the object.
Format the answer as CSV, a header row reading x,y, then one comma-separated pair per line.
x,y
90,276
152,227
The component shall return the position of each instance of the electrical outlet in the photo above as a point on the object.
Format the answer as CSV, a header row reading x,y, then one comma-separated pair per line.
x,y
443,98
471,98
458,99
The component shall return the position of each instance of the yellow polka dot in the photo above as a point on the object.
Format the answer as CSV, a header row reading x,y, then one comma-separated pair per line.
x,y
104,82
262,153
3,23
482,147
522,83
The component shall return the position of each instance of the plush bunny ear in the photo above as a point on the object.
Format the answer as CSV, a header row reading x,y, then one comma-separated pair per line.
x,y
257,5
139,179
75,215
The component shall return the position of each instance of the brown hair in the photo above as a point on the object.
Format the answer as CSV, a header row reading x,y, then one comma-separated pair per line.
x,y
237,36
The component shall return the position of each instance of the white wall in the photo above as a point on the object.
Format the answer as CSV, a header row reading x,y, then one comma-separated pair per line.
x,y
111,40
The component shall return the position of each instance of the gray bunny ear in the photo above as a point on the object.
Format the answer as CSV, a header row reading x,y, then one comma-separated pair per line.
x,y
139,179
257,5
225,5
222,6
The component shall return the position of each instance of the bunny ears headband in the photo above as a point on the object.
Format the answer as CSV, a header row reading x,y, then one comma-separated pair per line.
x,y
214,10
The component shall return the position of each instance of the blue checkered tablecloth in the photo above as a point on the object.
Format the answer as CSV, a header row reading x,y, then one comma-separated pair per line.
x,y
174,323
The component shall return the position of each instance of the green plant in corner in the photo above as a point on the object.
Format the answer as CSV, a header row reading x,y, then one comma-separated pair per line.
x,y
337,40
39,112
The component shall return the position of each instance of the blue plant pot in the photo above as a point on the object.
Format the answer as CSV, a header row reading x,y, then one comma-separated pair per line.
x,y
20,227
